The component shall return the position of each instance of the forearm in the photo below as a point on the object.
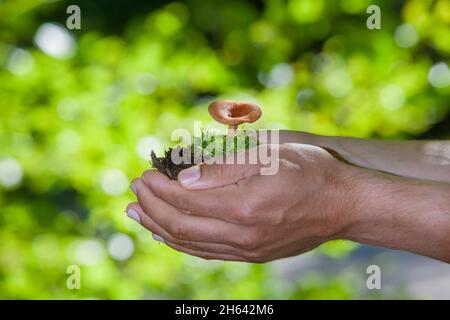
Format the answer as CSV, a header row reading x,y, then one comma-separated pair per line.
x,y
417,159
401,213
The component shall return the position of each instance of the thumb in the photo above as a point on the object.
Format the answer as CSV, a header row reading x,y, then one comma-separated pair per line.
x,y
209,175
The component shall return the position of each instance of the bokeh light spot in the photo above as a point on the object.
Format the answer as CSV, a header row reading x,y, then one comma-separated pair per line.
x,y
11,173
439,75
120,246
145,83
68,109
406,36
279,76
69,141
262,32
114,182
338,83
88,252
148,144
167,23
55,41
392,97
306,11
20,62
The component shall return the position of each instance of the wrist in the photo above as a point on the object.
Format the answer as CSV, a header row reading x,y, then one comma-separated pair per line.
x,y
365,195
398,213
347,201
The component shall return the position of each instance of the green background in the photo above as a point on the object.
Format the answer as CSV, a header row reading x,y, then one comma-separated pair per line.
x,y
81,109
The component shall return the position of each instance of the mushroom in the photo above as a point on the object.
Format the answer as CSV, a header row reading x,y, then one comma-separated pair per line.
x,y
233,113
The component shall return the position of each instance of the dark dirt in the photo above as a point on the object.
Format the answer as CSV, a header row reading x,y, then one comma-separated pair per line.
x,y
166,166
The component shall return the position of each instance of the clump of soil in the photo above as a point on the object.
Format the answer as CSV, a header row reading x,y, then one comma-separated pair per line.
x,y
165,165
201,151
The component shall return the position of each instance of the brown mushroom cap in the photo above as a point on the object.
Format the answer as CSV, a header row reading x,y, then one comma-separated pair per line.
x,y
234,112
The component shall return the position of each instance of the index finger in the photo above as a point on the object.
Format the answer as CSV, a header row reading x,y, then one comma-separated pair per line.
x,y
183,226
223,203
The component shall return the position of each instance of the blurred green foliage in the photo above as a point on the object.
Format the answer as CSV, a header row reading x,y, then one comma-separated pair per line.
x,y
80,111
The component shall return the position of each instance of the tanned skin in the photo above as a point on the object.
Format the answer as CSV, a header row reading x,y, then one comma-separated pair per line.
x,y
389,194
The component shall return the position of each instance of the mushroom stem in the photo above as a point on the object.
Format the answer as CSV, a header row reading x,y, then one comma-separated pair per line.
x,y
232,130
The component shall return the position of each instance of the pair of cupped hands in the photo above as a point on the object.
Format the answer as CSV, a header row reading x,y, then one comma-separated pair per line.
x,y
233,212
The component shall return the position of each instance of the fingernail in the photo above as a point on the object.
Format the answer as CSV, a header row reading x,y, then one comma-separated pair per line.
x,y
189,176
133,188
157,238
134,215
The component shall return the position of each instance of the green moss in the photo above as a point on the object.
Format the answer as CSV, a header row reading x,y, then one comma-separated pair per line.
x,y
212,145
206,146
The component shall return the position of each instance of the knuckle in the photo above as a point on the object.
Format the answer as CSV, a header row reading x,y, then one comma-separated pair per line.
x,y
244,212
251,255
182,203
138,183
189,245
134,181
257,256
254,239
248,241
146,176
177,230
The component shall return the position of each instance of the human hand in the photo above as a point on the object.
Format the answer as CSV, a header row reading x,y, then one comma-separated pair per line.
x,y
231,212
